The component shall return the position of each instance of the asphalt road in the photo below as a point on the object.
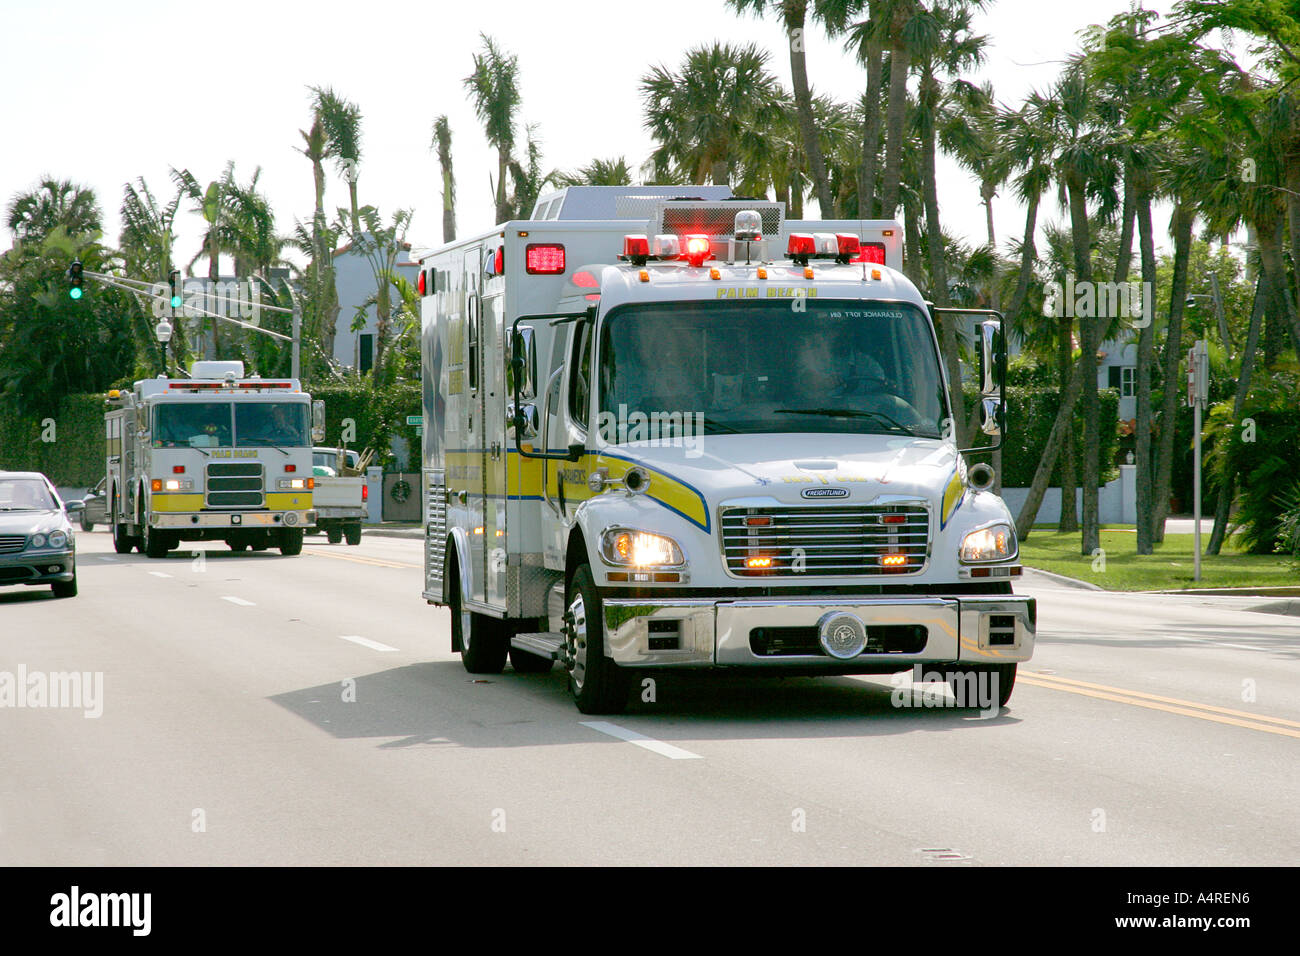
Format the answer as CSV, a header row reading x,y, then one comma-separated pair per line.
x,y
266,710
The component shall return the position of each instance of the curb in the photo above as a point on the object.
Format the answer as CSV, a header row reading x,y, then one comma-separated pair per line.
x,y
1062,579
416,532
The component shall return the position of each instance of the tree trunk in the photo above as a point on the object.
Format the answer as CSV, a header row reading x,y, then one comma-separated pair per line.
x,y
1224,505
1028,256
912,242
503,163
1090,334
1283,312
870,132
352,198
896,113
1060,428
1069,474
718,173
1184,218
795,15
939,272
448,205
1145,355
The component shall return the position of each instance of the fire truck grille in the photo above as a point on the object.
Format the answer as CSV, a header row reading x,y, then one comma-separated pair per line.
x,y
12,543
849,540
235,484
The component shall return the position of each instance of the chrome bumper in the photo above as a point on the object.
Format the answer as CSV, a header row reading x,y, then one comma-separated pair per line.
x,y
238,519
712,632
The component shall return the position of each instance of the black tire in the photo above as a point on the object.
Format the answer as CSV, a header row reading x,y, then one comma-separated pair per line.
x,y
87,525
334,535
597,683
155,544
66,589
122,542
353,533
1003,675
526,663
238,546
483,640
290,541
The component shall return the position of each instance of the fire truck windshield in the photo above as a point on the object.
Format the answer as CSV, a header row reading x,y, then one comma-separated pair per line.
x,y
769,366
229,424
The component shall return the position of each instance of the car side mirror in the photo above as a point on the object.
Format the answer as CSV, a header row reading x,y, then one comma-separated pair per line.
x,y
72,507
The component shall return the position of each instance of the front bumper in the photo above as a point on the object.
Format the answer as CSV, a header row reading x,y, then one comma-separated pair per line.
x,y
776,632
38,567
180,520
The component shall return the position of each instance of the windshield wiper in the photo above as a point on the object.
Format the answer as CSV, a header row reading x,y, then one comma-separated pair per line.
x,y
712,423
850,413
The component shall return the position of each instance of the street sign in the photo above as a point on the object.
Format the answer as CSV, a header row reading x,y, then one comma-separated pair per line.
x,y
415,419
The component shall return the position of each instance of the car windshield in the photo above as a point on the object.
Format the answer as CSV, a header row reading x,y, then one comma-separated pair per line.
x,y
754,366
25,494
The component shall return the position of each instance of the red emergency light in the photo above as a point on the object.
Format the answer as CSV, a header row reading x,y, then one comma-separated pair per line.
x,y
499,261
636,249
849,246
697,250
801,246
544,259
871,252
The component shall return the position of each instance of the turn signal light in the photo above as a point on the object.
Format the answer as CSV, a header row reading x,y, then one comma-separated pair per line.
x,y
893,560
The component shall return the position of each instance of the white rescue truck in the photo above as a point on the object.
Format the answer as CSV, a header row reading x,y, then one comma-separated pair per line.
x,y
668,432
216,456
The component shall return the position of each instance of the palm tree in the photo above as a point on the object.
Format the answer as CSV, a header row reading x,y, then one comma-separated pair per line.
x,y
341,121
321,308
442,145
528,181
146,245
1028,140
700,115
794,16
54,203
494,86
598,172
910,26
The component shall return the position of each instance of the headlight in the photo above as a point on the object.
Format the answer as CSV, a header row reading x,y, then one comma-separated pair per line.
x,y
642,549
292,484
994,543
56,539
38,541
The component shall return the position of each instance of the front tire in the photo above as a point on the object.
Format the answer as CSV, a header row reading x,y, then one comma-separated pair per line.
x,y
597,683
66,589
122,542
290,541
1003,677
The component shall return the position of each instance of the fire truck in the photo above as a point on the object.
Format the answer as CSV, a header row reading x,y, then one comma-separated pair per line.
x,y
218,455
667,428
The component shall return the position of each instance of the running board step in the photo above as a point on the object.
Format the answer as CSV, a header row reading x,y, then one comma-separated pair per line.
x,y
547,644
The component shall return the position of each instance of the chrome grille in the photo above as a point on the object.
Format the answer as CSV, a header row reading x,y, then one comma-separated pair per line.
x,y
794,541
12,543
234,484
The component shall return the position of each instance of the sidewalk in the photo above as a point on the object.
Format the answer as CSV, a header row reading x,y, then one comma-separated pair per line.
x,y
394,529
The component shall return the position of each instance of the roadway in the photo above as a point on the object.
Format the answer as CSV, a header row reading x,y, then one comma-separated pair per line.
x,y
266,710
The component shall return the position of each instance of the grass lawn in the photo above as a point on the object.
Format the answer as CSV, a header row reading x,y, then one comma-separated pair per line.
x,y
1170,568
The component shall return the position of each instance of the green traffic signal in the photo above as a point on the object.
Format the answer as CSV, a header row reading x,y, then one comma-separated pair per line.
x,y
176,302
75,292
74,277
174,278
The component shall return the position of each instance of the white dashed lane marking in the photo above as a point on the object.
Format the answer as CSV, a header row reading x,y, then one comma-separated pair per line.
x,y
240,601
366,642
640,740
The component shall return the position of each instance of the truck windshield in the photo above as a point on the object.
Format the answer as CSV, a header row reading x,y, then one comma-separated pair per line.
x,y
262,424
192,425
754,366
227,424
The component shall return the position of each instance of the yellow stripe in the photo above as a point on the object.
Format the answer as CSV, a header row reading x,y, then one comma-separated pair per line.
x,y
952,496
288,500
374,562
162,501
1155,702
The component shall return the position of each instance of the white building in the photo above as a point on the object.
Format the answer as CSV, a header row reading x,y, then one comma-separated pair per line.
x,y
355,282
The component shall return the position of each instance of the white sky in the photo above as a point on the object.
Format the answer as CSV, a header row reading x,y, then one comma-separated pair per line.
x,y
102,93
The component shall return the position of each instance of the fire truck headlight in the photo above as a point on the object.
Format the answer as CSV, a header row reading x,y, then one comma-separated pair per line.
x,y
291,484
631,548
172,484
995,543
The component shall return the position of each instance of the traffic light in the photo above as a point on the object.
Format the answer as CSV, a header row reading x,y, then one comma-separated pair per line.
x,y
74,277
174,279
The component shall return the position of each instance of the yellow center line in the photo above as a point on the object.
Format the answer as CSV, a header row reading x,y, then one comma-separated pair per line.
x,y
1152,705
373,562
1165,700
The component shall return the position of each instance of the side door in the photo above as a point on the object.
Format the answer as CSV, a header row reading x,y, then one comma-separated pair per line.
x,y
492,340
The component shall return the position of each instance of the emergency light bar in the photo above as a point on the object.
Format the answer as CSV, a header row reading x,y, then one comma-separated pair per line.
x,y
843,247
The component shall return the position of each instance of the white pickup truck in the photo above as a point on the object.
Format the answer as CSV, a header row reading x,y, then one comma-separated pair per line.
x,y
339,499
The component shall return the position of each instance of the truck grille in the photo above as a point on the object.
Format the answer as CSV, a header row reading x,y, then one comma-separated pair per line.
x,y
793,541
12,543
235,484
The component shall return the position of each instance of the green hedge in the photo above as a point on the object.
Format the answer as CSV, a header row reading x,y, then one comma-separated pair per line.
x,y
380,416
75,456
1031,411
